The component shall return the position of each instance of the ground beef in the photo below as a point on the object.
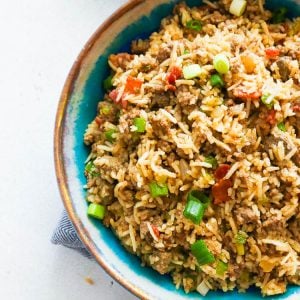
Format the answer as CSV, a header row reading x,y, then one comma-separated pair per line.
x,y
160,127
139,46
165,146
185,97
283,67
120,60
160,100
296,158
273,223
163,263
245,215
163,53
271,141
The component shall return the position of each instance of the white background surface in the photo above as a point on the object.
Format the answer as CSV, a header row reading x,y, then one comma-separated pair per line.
x,y
39,40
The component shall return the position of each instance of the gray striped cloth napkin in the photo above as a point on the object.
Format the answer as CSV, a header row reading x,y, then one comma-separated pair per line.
x,y
66,235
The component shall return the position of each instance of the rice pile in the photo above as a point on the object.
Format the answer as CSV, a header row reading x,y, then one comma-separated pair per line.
x,y
188,120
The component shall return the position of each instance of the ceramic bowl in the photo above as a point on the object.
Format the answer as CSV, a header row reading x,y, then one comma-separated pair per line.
x,y
77,108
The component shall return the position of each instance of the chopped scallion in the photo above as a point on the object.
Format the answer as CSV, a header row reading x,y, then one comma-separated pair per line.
x,y
221,268
221,63
216,80
194,211
281,126
199,196
158,189
212,161
201,252
110,135
241,237
267,100
140,124
197,203
91,169
96,211
240,249
105,110
107,83
194,25
237,7
191,71
186,51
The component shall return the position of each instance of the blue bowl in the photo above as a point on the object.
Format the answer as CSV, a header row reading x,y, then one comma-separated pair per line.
x,y
77,108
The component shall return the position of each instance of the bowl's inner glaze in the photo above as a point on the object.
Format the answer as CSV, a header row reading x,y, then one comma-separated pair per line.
x,y
85,92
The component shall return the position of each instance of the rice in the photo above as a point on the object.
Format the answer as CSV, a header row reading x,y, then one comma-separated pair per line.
x,y
159,140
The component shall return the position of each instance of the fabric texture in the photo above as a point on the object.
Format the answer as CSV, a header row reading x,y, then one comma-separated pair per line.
x,y
66,235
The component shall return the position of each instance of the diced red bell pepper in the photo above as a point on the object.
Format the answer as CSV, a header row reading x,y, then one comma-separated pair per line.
x,y
124,103
272,53
99,121
133,85
171,87
296,107
155,230
244,95
221,171
113,95
271,117
220,191
173,75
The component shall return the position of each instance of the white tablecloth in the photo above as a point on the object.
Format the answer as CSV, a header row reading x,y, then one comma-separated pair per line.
x,y
40,39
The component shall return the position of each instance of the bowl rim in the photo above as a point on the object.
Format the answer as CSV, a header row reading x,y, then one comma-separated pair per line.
x,y
60,171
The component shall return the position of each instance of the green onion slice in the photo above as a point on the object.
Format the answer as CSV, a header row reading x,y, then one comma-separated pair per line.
x,y
197,203
194,211
281,126
158,189
221,63
201,252
191,71
96,211
241,237
140,124
221,267
105,110
267,100
216,80
107,83
109,135
212,161
198,196
194,25
91,169
237,7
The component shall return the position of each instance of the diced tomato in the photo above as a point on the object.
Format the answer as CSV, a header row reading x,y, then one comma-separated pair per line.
x,y
221,171
99,121
173,75
133,85
113,95
220,191
272,53
296,107
155,230
244,95
171,87
271,117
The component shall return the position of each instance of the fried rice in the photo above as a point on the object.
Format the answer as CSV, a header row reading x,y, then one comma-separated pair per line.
x,y
161,137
